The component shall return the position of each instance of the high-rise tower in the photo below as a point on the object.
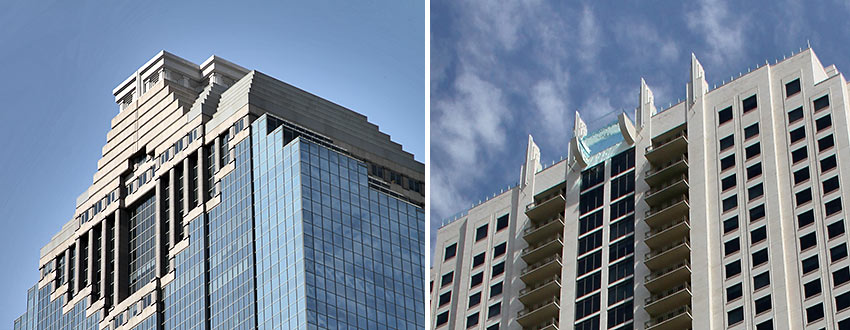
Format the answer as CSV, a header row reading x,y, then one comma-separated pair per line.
x,y
227,199
722,211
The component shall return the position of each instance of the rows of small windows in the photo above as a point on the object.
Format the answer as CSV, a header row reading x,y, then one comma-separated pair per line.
x,y
748,104
476,280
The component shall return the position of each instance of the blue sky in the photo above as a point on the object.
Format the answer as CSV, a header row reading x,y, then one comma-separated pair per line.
x,y
60,61
503,69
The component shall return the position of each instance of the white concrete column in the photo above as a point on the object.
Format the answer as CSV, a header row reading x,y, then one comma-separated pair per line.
x,y
104,256
90,257
186,186
202,179
217,157
158,241
78,279
171,206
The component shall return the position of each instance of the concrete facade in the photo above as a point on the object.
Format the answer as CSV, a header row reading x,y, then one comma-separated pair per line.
x,y
729,215
176,157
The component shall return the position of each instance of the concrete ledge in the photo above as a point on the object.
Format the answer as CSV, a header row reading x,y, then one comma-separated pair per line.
x,y
213,202
179,247
245,133
82,294
225,170
194,213
95,306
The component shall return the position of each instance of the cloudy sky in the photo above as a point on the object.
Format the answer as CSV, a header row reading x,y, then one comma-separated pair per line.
x,y
503,69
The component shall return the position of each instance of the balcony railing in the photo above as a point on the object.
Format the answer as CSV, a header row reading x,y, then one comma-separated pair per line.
x,y
550,324
658,230
661,144
656,274
668,316
666,293
543,200
556,279
668,247
546,241
533,308
667,184
540,263
535,226
666,165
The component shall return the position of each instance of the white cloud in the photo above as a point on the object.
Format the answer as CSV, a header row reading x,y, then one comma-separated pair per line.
x,y
552,110
723,33
589,36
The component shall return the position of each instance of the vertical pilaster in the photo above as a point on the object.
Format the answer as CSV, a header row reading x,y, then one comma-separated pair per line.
x,y
90,257
67,266
104,256
172,197
217,157
78,280
161,254
187,186
202,171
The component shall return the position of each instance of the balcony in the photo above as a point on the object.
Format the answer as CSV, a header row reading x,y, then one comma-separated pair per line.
x,y
668,300
554,204
552,245
668,255
668,190
543,290
658,216
535,232
667,170
658,237
660,151
550,324
675,320
535,314
541,270
670,276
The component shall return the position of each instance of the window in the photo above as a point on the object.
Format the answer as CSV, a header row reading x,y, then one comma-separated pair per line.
x,y
825,143
498,269
841,276
621,291
812,288
751,131
753,150
766,325
447,279
730,224
758,234
474,299
735,316
798,134
755,191
476,279
795,115
591,200
757,213
502,222
590,222
587,306
814,313
589,263
801,175
481,233
621,269
623,207
763,304
835,229
494,310
810,264
759,257
799,155
823,123
833,206
827,163
727,162
821,103
730,202
725,115
830,185
753,171
806,218
749,103
621,248
472,320
592,176
622,185
442,318
499,250
445,298
842,301
732,246
808,241
589,242
838,252
589,324
761,280
496,327
588,284
803,196
621,314
622,228
622,162
496,289
451,250
727,182
727,142
733,268
478,259
734,292
792,88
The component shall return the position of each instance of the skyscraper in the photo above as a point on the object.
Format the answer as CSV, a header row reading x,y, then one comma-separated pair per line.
x,y
722,211
227,199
